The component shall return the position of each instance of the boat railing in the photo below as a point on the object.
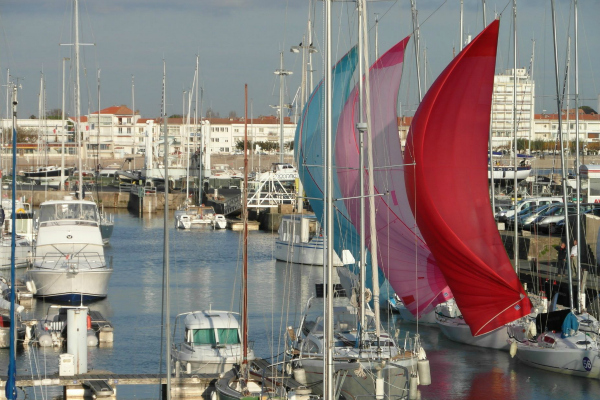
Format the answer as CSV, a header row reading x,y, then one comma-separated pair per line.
x,y
51,261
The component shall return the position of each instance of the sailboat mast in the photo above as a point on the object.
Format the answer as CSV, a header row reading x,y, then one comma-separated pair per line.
x,y
371,184
245,249
562,153
462,30
580,303
166,237
11,389
415,21
515,131
62,146
361,133
328,391
77,103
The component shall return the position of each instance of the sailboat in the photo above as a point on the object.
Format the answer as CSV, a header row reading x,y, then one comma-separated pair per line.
x,y
453,209
253,378
568,343
364,362
420,286
68,260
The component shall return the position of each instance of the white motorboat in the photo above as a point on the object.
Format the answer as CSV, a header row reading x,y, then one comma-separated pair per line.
x,y
281,172
195,217
219,222
300,241
210,341
49,174
568,345
68,259
359,364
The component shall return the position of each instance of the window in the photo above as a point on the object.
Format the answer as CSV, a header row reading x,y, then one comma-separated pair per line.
x,y
120,130
204,336
228,336
128,130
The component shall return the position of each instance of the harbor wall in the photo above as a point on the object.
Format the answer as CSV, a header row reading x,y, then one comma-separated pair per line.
x,y
103,199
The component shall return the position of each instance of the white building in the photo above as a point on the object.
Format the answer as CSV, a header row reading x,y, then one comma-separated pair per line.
x,y
502,107
546,127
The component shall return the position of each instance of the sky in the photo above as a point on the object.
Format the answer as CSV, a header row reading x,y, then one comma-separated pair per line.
x,y
239,42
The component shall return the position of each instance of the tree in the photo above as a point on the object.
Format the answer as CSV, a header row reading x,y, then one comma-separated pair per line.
x,y
32,116
240,145
232,115
176,116
588,110
210,113
290,145
55,113
24,135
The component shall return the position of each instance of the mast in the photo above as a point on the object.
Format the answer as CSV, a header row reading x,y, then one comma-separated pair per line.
x,y
98,128
11,389
415,22
484,17
581,302
77,101
371,192
62,146
196,134
562,153
515,131
361,127
245,249
328,369
132,107
166,238
282,74
462,30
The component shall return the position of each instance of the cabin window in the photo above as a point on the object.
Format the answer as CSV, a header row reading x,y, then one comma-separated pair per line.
x,y
594,187
204,336
228,336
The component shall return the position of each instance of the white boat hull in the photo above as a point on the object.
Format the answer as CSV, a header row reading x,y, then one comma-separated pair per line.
x,y
360,381
458,331
65,286
310,253
209,361
508,173
565,360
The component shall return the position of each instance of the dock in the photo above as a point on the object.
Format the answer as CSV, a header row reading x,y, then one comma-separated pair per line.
x,y
103,384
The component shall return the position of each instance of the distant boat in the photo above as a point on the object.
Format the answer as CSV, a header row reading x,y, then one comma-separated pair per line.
x,y
209,341
507,172
300,241
68,260
281,172
191,217
49,174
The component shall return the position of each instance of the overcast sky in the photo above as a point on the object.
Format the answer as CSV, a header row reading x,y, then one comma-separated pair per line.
x,y
239,41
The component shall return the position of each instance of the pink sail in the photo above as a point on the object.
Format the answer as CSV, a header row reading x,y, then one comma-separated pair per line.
x,y
403,255
448,188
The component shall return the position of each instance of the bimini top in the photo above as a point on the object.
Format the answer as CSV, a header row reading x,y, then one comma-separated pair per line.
x,y
209,319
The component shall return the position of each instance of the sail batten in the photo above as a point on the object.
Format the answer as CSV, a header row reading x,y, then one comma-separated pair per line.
x,y
448,184
403,255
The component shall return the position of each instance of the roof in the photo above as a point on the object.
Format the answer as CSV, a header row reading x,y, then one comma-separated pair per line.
x,y
116,110
209,319
582,116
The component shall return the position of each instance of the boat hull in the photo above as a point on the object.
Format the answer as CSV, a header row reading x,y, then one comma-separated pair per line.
x,y
579,362
359,382
311,253
458,331
69,287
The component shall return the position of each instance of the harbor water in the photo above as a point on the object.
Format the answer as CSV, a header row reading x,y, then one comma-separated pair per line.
x,y
205,270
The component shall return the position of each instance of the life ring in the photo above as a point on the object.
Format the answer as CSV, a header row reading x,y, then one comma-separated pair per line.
x,y
20,211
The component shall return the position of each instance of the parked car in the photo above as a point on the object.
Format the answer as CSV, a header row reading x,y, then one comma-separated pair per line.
x,y
586,208
547,221
525,213
526,204
526,220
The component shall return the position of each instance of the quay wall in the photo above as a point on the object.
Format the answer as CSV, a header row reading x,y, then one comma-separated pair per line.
x,y
103,199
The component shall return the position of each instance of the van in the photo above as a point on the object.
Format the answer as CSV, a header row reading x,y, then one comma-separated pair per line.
x,y
528,203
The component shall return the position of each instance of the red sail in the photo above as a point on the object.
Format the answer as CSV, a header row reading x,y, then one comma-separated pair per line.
x,y
449,193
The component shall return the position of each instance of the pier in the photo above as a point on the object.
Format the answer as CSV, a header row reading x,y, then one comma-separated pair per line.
x,y
104,384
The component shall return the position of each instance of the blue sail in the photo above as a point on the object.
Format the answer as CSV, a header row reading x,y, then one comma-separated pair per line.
x,y
310,155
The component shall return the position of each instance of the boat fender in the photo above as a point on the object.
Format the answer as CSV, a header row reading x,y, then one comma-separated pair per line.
x,y
422,355
92,339
89,321
188,369
424,372
213,394
44,338
300,375
513,349
379,393
31,286
412,391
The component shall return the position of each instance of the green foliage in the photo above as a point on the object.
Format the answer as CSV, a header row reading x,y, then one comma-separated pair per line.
x,y
588,110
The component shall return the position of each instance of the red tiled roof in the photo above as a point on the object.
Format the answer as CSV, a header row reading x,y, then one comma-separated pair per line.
x,y
116,110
